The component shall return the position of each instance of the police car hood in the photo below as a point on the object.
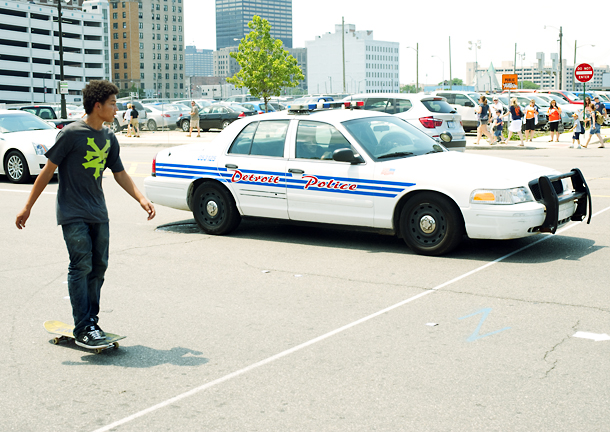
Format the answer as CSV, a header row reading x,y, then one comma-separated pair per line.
x,y
450,169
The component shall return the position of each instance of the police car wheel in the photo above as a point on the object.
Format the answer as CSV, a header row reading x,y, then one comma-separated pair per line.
x,y
431,224
16,167
214,209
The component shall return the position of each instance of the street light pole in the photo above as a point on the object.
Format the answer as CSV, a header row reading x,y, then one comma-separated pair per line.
x,y
575,47
416,49
64,113
560,51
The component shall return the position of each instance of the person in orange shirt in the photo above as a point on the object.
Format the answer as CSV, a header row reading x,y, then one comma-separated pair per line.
x,y
530,120
554,113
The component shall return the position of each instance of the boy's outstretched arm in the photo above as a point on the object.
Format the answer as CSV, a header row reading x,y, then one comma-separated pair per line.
x,y
126,182
41,182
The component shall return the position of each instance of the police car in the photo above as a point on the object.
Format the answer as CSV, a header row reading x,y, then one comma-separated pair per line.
x,y
362,169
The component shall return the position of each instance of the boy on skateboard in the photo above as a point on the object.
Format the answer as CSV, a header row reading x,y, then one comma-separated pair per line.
x,y
82,151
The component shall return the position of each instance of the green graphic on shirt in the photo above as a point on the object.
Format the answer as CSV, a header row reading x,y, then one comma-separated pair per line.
x,y
97,158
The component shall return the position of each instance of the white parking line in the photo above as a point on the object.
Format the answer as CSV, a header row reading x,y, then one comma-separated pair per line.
x,y
26,191
324,336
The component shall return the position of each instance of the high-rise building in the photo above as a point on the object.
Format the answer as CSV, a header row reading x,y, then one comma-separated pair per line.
x,y
233,16
29,51
147,45
371,66
198,62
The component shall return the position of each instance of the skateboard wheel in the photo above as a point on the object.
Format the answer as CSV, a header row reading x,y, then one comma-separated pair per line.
x,y
99,350
116,345
55,340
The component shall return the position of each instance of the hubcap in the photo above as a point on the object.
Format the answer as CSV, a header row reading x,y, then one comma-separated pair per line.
x,y
427,224
211,208
15,167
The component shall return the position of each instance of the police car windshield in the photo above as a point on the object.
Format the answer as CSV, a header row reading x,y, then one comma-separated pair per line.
x,y
390,138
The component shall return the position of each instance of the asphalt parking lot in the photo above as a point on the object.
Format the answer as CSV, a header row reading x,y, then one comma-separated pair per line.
x,y
283,327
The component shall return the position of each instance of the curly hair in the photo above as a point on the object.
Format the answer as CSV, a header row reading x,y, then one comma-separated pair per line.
x,y
97,91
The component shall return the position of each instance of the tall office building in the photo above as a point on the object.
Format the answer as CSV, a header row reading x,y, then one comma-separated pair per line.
x,y
233,16
147,45
198,62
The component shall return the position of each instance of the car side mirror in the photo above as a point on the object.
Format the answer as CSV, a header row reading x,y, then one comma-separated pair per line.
x,y
347,155
469,104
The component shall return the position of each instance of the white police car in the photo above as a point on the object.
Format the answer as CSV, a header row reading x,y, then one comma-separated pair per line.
x,y
363,169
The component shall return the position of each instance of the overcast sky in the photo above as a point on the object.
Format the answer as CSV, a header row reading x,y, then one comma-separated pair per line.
x,y
431,23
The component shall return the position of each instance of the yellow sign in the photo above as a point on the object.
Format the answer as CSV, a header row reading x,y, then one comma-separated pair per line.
x,y
509,81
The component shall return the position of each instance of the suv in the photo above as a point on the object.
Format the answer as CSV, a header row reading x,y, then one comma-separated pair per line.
x,y
464,102
430,114
45,112
119,122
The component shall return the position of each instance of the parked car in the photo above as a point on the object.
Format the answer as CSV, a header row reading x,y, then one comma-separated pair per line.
x,y
567,96
157,117
242,98
216,116
464,103
24,139
45,112
567,109
364,169
430,114
523,99
259,107
308,100
278,106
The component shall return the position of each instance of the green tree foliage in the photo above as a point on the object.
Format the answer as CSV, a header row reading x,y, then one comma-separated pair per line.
x,y
266,66
409,89
529,85
457,81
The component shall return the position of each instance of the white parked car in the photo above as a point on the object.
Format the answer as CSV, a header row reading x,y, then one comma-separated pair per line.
x,y
365,169
24,139
430,114
159,116
464,102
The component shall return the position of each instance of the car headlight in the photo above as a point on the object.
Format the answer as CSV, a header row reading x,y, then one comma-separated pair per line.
x,y
501,196
40,149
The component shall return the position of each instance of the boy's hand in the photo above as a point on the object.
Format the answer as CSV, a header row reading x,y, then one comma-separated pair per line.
x,y
150,209
22,217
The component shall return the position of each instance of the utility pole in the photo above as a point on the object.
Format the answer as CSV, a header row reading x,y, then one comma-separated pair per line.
x,y
343,49
64,113
450,77
560,56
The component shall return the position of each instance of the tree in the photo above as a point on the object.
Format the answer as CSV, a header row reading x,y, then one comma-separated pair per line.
x,y
457,82
266,66
529,85
410,88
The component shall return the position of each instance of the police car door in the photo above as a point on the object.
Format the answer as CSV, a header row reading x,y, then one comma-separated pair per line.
x,y
256,167
320,189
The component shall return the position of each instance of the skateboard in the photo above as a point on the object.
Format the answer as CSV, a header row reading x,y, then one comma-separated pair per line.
x,y
64,333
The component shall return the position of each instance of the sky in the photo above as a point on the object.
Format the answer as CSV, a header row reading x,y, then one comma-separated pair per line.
x,y
432,24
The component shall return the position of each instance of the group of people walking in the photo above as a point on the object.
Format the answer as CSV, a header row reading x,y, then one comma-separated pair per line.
x,y
593,116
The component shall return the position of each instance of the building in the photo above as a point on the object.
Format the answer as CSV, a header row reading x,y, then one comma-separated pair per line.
x,y
540,73
29,51
198,62
147,45
225,65
370,66
233,16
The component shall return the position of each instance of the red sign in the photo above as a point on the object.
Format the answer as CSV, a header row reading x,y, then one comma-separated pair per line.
x,y
583,72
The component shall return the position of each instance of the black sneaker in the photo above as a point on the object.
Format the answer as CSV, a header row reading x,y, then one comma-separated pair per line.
x,y
98,328
91,338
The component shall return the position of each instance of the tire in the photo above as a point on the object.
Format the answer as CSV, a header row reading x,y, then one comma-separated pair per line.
x,y
151,125
214,209
225,124
431,224
185,125
116,127
16,167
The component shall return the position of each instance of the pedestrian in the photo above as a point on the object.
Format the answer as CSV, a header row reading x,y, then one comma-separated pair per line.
x,y
578,128
496,106
596,119
482,112
600,107
194,119
531,112
498,125
134,121
516,122
82,151
127,117
554,113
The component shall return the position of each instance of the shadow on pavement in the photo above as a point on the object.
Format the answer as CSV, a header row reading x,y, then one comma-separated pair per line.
x,y
139,356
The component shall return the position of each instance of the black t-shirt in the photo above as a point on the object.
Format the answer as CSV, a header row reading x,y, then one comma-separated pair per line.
x,y
82,154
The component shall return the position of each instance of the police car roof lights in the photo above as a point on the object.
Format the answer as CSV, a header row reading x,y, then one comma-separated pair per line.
x,y
306,108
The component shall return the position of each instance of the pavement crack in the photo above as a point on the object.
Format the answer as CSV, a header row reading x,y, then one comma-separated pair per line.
x,y
549,352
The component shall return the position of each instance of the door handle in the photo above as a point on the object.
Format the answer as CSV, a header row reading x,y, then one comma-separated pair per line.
x,y
231,166
296,171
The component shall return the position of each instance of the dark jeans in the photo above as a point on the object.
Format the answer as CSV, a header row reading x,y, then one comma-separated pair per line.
x,y
88,248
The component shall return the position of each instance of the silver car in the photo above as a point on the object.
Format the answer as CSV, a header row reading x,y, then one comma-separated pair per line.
x,y
157,117
430,114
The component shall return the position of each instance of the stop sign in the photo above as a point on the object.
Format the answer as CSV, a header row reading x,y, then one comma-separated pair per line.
x,y
583,72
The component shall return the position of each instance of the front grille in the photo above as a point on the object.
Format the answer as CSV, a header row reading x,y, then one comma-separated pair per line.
x,y
535,188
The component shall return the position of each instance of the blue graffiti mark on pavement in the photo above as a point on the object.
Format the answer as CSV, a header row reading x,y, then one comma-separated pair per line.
x,y
475,335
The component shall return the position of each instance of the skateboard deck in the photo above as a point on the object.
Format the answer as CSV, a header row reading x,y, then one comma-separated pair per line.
x,y
64,333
